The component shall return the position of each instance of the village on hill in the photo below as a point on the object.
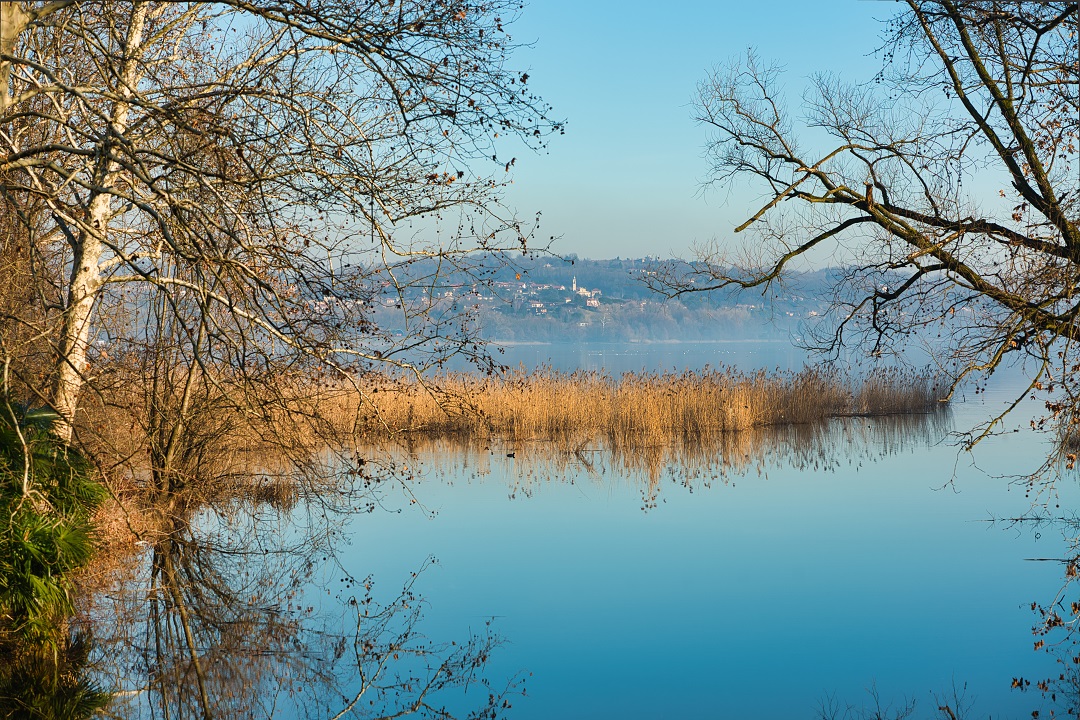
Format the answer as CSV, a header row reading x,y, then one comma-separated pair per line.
x,y
551,299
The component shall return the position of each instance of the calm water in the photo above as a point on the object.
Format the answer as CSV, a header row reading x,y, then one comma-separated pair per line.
x,y
617,358
866,561
752,598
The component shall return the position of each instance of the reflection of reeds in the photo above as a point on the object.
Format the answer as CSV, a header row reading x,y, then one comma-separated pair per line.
x,y
688,461
270,444
687,425
634,410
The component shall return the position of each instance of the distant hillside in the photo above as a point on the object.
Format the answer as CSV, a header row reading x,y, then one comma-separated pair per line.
x,y
550,299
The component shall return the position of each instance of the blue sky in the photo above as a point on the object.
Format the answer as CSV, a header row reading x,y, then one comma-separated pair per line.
x,y
625,180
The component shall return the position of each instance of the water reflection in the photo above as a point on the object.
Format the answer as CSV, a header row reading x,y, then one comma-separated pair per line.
x,y
239,613
251,610
1055,621
691,460
774,555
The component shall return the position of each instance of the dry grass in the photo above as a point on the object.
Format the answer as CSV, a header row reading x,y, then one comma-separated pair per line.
x,y
273,446
708,424
631,411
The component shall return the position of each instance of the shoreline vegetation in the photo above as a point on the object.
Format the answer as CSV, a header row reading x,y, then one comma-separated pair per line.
x,y
690,427
305,438
632,409
306,434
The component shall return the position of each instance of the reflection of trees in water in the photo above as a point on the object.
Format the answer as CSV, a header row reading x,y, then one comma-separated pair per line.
x,y
227,615
691,460
1056,629
1056,620
241,610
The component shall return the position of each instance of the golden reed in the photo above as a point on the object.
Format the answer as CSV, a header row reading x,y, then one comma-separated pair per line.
x,y
633,409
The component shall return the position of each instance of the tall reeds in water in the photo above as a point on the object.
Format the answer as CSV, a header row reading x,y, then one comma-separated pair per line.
x,y
630,410
706,421
689,427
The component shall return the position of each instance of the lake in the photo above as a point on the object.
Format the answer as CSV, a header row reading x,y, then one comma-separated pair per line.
x,y
818,568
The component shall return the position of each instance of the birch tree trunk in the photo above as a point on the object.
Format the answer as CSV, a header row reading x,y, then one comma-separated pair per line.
x,y
88,247
13,21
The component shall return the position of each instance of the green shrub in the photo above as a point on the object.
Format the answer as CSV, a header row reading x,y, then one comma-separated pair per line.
x,y
39,683
47,496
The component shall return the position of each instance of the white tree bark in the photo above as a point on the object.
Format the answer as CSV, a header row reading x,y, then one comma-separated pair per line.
x,y
86,271
13,20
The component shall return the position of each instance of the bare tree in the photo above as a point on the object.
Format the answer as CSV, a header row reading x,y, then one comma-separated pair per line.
x,y
948,185
245,174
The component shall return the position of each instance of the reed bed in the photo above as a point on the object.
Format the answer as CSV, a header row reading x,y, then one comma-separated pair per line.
x,y
271,444
629,411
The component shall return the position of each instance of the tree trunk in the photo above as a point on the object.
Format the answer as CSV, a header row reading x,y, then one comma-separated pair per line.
x,y
75,336
13,21
88,247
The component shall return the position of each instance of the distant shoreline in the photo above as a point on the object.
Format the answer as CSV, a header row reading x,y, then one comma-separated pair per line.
x,y
743,341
